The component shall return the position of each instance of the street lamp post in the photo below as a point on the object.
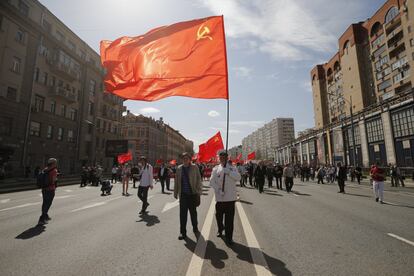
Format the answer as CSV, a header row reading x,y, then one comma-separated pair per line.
x,y
353,153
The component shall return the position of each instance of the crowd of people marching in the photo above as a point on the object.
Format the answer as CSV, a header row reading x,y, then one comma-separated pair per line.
x,y
223,177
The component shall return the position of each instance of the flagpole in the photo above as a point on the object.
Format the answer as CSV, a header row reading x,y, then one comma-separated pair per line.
x,y
228,98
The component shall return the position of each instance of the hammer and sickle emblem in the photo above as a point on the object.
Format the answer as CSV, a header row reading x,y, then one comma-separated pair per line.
x,y
203,32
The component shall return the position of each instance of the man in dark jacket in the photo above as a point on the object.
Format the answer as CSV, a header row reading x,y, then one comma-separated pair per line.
x,y
341,177
163,176
278,176
269,174
259,176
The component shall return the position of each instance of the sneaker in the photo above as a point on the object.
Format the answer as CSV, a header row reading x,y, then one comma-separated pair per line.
x,y
48,218
382,202
376,199
42,222
229,242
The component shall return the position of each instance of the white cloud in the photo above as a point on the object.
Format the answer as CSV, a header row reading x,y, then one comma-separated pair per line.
x,y
213,113
242,71
283,28
149,110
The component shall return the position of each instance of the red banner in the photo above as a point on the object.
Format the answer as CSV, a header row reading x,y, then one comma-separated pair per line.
x,y
123,158
251,156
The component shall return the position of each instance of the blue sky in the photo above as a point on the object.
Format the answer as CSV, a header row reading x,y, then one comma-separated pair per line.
x,y
271,45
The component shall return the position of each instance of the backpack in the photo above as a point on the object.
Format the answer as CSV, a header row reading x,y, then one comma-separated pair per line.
x,y
43,179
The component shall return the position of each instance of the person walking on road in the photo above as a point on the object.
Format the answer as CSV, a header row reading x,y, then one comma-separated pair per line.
x,y
250,171
114,170
135,175
288,174
126,174
378,177
187,188
341,177
242,171
146,182
320,175
260,176
278,176
223,180
269,174
358,174
48,182
163,176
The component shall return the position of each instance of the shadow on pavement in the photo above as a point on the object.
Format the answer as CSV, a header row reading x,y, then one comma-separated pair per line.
x,y
359,195
214,254
272,193
398,205
276,266
149,219
31,232
245,202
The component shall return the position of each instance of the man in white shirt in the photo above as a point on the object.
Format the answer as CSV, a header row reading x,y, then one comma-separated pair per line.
x,y
226,195
146,182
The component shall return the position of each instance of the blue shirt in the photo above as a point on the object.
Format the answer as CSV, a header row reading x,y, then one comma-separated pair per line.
x,y
185,179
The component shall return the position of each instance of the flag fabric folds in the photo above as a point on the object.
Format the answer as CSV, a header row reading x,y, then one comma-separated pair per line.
x,y
208,150
125,157
184,59
251,156
173,162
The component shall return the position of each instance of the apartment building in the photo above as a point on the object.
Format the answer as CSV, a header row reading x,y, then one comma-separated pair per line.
x,y
153,138
51,93
266,139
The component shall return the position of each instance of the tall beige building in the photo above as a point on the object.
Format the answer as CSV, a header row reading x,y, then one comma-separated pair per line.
x,y
51,93
372,64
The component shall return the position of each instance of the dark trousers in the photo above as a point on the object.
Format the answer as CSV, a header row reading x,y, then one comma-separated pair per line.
x,y
320,179
84,181
187,204
260,184
270,181
162,181
278,182
113,179
143,196
47,202
250,180
358,177
289,183
341,184
226,210
167,183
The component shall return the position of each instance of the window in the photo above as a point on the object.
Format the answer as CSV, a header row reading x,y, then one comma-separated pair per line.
x,y
44,78
60,83
90,108
90,128
92,86
16,65
391,14
71,45
60,134
53,81
401,75
346,46
11,93
52,107
403,123
34,128
60,36
375,131
399,63
385,84
381,50
39,103
23,8
356,135
70,136
20,35
46,25
73,114
6,124
49,134
63,110
82,54
381,62
36,74
412,42
384,73
377,42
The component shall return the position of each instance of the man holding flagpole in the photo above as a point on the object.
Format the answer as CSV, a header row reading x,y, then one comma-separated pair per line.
x,y
226,195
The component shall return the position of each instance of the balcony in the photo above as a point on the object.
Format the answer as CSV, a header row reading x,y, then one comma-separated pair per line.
x,y
60,92
62,69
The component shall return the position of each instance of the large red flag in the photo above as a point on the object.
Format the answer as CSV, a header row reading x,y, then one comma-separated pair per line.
x,y
251,156
209,150
184,59
125,157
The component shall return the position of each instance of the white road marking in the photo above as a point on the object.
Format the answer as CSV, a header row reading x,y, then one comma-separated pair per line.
x,y
21,206
5,200
94,204
197,259
400,238
68,191
61,197
259,261
170,205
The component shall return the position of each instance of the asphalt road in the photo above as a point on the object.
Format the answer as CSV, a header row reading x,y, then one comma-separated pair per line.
x,y
313,231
